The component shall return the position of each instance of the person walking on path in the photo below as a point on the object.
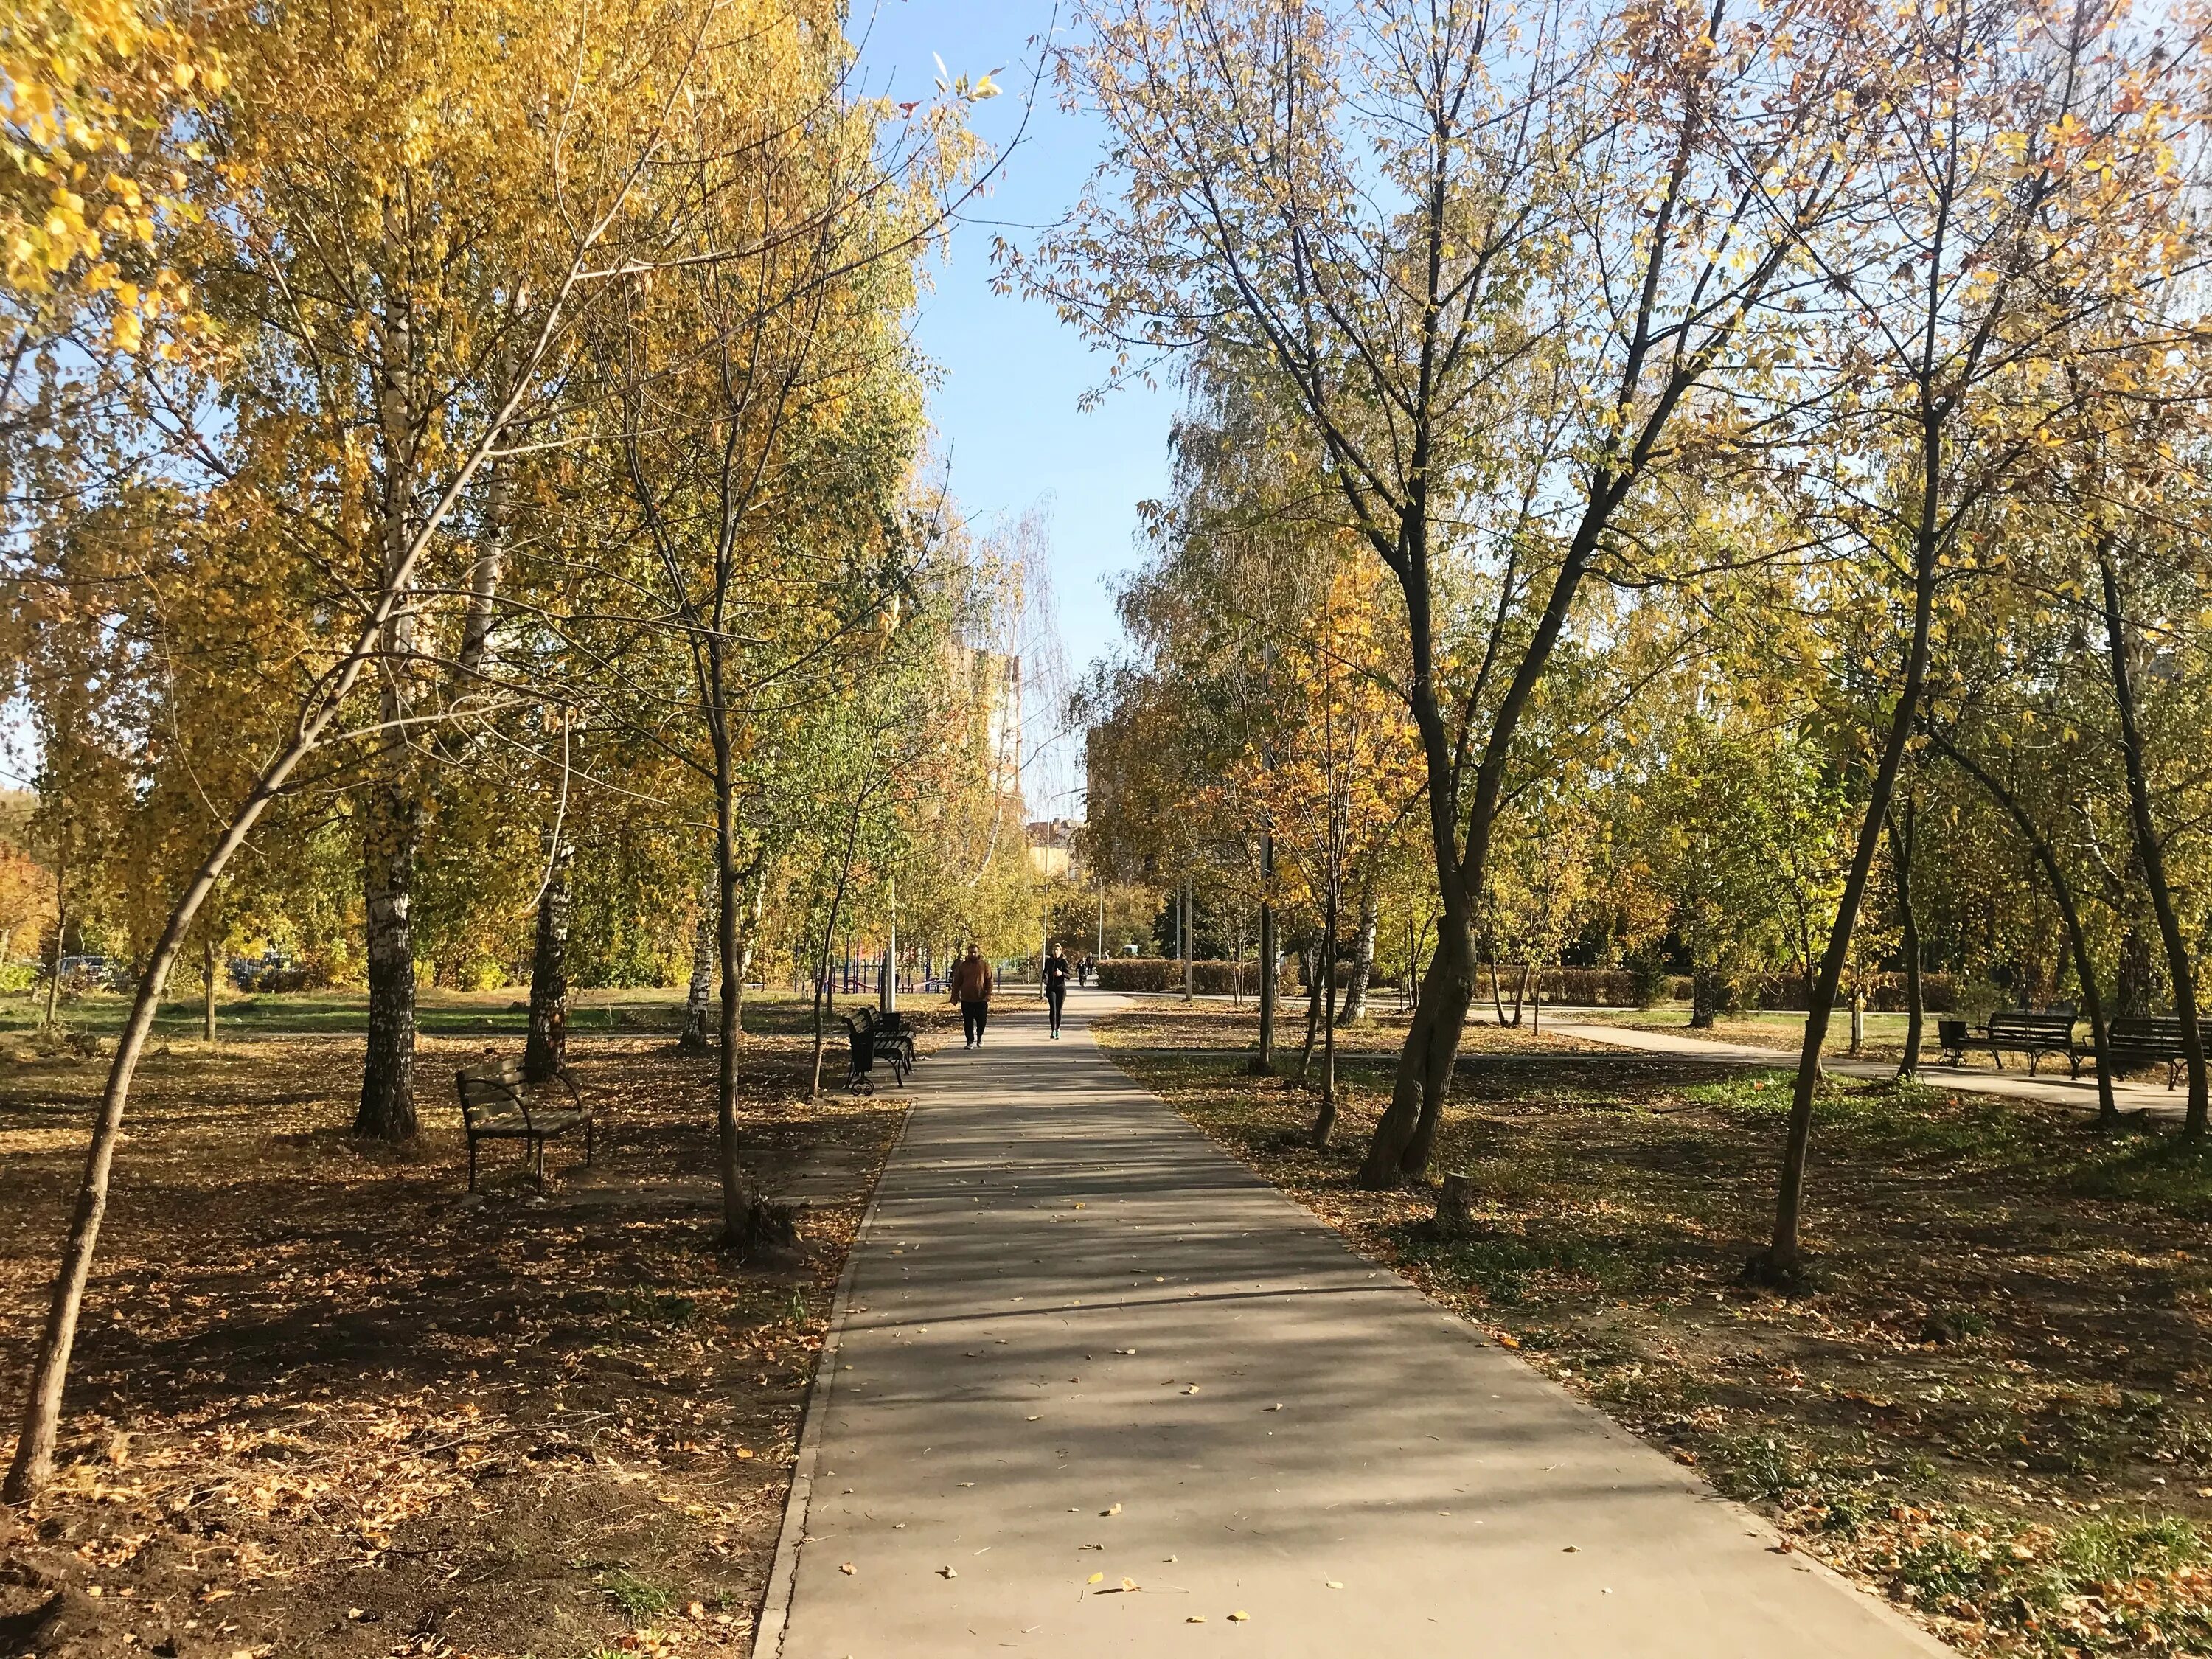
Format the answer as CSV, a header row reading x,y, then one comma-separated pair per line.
x,y
1055,984
972,985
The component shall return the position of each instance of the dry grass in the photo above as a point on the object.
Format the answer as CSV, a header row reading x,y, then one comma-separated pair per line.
x,y
325,1404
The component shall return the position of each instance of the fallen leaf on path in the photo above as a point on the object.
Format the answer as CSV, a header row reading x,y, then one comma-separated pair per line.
x,y
847,1567
1195,1619
1115,1509
1096,1578
1506,1342
1333,1583
1239,1616
946,1572
1192,1389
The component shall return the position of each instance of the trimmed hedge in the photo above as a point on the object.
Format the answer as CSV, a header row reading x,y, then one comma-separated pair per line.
x,y
1213,978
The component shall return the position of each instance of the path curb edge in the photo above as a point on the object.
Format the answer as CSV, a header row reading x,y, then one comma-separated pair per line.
x,y
775,1600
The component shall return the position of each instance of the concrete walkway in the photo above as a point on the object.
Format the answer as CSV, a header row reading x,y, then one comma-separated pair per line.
x,y
1094,1388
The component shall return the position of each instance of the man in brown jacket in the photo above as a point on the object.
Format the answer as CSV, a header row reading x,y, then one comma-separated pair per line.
x,y
972,985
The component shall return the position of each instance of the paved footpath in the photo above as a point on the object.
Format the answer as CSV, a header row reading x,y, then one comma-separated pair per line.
x,y
1094,1388
2051,1087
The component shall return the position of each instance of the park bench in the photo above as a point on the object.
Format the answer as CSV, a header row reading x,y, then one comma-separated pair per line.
x,y
894,1038
2133,1044
862,1040
497,1104
2011,1030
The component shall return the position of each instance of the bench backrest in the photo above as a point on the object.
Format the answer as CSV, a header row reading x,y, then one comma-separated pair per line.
x,y
862,1040
2149,1029
2024,1023
494,1086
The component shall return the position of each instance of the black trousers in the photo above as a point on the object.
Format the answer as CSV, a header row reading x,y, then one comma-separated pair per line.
x,y
972,1016
1055,995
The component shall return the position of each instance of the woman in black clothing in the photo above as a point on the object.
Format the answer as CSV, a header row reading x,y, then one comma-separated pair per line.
x,y
1055,984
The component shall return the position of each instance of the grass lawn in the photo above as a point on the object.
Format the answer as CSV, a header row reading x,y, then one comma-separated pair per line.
x,y
326,1404
1994,1408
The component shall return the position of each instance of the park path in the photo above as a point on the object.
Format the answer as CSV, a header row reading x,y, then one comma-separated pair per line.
x,y
1079,1348
2053,1088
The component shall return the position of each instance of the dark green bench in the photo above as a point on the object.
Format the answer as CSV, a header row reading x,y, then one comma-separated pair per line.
x,y
497,1104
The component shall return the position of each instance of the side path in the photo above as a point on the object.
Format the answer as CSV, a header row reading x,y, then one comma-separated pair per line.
x,y
2055,1088
1097,1389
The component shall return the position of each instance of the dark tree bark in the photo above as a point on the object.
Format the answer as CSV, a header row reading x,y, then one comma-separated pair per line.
x,y
391,833
1704,989
1916,1002
2150,853
698,1001
1312,959
1325,1118
2061,894
1263,1063
546,1052
1784,1258
2133,977
1363,959
208,964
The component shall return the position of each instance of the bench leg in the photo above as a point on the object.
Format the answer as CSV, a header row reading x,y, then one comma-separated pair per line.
x,y
2033,1060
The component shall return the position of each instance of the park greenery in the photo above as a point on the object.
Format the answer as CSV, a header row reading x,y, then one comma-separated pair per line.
x,y
1714,490
471,513
1671,503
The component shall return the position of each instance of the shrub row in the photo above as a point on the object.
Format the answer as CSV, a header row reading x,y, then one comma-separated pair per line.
x,y
1212,978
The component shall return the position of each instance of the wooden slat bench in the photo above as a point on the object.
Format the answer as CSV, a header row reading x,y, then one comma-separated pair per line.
x,y
2011,1030
496,1104
2154,1040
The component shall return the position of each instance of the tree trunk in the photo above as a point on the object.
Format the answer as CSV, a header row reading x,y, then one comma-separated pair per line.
x,y
2150,850
1451,974
1916,1005
546,1053
1783,1259
1704,993
2131,978
1363,959
2061,893
207,974
1313,1010
1189,948
61,931
1521,996
391,830
1263,1063
1325,1118
697,1020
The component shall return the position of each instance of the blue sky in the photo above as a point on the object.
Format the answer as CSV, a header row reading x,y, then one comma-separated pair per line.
x,y
1005,406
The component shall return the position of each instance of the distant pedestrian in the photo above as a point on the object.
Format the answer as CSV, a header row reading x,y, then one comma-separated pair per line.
x,y
1055,984
972,985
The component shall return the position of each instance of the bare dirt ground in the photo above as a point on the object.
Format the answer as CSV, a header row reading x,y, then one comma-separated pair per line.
x,y
325,1403
1994,1408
